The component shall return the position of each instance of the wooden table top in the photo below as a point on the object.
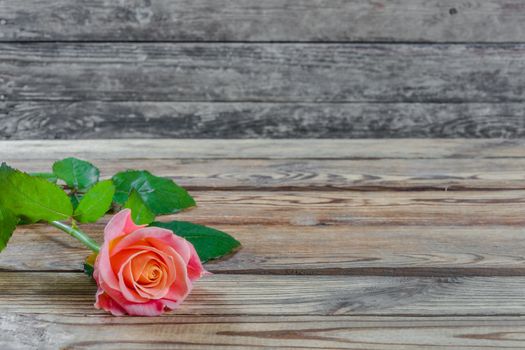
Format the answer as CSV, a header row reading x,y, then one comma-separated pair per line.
x,y
347,244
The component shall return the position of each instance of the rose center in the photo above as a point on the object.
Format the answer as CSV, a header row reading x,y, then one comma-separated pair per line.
x,y
152,273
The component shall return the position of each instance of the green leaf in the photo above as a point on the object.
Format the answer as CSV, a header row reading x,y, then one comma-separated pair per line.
x,y
208,242
8,222
161,195
48,176
140,213
96,202
32,198
75,199
76,173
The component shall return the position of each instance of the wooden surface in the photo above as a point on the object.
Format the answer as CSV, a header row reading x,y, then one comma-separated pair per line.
x,y
106,119
270,20
363,244
263,72
262,69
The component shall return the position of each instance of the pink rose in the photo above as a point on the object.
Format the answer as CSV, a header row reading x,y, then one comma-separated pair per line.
x,y
143,271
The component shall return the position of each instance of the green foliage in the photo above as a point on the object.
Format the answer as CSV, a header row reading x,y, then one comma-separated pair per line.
x,y
8,221
28,198
77,174
161,195
75,199
48,176
96,202
208,242
140,213
32,198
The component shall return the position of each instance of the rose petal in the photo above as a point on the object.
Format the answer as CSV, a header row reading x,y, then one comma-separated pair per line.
x,y
104,302
173,243
195,268
126,285
143,270
120,224
182,285
140,235
103,270
152,308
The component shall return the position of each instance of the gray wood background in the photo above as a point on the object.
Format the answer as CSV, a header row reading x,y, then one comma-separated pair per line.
x,y
262,69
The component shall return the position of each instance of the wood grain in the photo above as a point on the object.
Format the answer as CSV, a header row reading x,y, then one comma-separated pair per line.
x,y
313,174
356,250
363,233
128,150
326,262
97,120
270,20
22,331
229,295
198,72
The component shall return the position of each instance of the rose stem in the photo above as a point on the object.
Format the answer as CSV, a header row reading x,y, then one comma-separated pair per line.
x,y
81,236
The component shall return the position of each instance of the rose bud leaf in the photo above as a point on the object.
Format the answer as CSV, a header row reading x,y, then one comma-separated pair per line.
x,y
208,242
140,213
96,202
32,198
88,269
8,222
161,195
77,174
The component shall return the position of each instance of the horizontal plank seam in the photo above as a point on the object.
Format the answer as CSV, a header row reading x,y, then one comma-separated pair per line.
x,y
217,319
6,99
235,158
361,272
272,42
334,188
255,102
261,319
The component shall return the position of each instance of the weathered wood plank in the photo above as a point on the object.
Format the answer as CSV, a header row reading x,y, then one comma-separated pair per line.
x,y
96,120
262,72
359,250
128,150
270,20
23,331
303,174
299,208
351,233
228,295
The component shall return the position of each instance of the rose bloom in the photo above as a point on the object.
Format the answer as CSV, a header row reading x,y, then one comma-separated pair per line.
x,y
143,271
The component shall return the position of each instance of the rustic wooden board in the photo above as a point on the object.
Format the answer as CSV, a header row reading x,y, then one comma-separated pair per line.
x,y
354,249
314,174
401,233
270,20
325,269
96,120
257,295
22,331
262,72
127,151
